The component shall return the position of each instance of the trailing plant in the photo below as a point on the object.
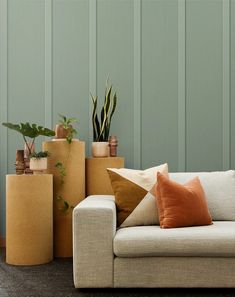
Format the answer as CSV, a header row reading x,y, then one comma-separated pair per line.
x,y
62,171
29,130
40,155
65,205
67,125
101,127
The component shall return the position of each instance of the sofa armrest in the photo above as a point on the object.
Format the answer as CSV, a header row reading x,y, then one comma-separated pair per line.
x,y
94,226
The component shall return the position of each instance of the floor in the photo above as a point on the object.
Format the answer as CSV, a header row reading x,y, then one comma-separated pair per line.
x,y
56,279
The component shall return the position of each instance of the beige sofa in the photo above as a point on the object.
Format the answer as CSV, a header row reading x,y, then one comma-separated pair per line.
x,y
148,256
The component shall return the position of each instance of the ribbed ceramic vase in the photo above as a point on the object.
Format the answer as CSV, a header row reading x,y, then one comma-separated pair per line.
x,y
100,149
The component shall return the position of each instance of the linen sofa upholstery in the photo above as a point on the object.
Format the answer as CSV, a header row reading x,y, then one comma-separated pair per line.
x,y
219,187
147,256
217,240
174,272
94,226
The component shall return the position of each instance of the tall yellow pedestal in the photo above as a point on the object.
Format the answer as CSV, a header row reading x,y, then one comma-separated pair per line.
x,y
29,219
97,179
72,189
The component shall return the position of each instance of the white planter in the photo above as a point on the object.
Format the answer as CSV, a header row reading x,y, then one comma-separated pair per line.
x,y
38,165
100,149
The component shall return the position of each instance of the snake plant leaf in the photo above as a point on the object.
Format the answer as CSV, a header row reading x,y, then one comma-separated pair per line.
x,y
95,120
114,103
114,106
105,108
104,116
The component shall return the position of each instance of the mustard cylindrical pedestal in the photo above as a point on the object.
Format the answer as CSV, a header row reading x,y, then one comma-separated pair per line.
x,y
29,219
97,179
71,188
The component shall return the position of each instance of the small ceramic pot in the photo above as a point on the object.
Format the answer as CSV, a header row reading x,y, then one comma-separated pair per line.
x,y
100,149
38,165
61,132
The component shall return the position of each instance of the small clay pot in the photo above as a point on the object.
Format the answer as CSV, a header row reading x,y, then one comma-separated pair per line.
x,y
61,132
113,143
19,164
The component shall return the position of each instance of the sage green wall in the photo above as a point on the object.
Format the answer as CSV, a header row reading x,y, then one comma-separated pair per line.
x,y
171,62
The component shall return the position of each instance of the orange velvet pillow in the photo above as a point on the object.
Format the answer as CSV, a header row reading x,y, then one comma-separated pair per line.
x,y
181,205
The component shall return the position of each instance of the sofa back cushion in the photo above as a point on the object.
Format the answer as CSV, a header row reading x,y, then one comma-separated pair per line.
x,y
219,187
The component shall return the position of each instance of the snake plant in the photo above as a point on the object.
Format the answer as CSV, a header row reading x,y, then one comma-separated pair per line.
x,y
101,127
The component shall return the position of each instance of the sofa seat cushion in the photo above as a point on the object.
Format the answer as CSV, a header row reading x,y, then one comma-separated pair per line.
x,y
217,240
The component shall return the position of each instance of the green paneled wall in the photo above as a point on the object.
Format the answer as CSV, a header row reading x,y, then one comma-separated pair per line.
x,y
159,68
204,84
171,62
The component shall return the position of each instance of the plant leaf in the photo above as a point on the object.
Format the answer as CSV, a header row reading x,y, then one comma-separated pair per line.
x,y
31,131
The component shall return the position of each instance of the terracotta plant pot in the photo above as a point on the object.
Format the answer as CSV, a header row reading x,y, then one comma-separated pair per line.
x,y
38,165
100,149
61,132
19,164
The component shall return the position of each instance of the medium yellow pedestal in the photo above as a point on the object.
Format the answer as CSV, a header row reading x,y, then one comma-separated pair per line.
x,y
29,219
72,157
97,179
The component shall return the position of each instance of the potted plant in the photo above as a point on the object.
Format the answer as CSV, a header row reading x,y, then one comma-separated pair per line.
x,y
101,127
65,129
31,131
38,162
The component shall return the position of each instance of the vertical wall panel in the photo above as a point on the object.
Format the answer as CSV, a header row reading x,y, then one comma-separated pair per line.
x,y
115,58
159,83
232,69
137,84
26,81
3,110
181,85
70,62
204,88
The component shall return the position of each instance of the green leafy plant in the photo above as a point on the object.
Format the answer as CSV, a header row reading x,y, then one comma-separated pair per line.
x,y
62,171
29,130
67,125
40,155
101,127
65,205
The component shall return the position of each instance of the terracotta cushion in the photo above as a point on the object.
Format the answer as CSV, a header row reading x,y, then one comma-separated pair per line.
x,y
181,205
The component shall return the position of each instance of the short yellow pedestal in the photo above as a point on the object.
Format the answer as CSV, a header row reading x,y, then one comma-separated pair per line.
x,y
72,189
29,219
97,179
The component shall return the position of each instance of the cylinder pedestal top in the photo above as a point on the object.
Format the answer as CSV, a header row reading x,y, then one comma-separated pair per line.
x,y
97,179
